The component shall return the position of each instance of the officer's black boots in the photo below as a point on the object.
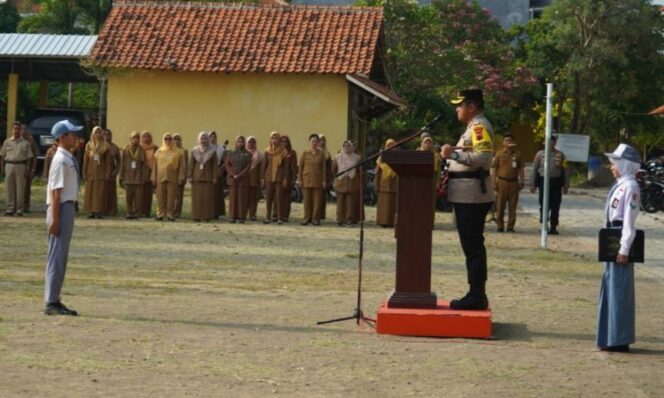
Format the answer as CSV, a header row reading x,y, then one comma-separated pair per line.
x,y
475,299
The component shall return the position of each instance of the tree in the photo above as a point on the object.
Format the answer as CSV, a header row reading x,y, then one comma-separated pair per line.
x,y
435,50
8,18
605,59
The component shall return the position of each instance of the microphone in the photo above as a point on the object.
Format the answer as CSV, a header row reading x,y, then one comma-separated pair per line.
x,y
433,122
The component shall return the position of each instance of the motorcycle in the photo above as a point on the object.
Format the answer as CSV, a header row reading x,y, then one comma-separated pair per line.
x,y
652,191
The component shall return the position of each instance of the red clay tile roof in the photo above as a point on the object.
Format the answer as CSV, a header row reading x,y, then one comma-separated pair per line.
x,y
218,37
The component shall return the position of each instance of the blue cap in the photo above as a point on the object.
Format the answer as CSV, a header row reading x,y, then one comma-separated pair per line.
x,y
626,152
63,127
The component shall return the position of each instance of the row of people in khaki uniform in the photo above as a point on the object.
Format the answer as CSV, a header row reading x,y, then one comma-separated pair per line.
x,y
142,168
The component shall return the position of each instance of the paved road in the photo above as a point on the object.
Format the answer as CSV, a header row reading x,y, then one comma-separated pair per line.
x,y
581,215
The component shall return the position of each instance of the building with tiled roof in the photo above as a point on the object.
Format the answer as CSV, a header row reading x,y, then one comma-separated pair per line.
x,y
243,69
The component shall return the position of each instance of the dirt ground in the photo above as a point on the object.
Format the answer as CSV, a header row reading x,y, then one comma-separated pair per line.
x,y
217,309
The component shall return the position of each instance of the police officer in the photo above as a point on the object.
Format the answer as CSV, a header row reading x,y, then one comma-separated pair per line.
x,y
471,192
16,154
508,177
559,173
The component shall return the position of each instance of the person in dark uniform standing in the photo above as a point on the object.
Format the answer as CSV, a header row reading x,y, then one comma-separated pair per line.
x,y
508,177
471,192
558,184
31,167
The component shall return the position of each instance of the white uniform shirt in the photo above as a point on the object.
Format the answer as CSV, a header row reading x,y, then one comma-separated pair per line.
x,y
622,204
63,174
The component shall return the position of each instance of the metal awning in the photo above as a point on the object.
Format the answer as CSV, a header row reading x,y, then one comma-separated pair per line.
x,y
37,57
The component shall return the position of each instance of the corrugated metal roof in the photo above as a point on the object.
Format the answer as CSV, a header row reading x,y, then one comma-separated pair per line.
x,y
29,45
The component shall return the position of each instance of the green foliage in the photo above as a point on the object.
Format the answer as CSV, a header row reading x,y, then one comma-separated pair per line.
x,y
436,50
605,59
8,18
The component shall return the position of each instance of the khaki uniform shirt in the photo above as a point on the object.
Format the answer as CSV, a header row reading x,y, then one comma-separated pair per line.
x,y
203,171
270,165
169,167
478,137
132,169
16,151
313,169
558,167
97,167
507,164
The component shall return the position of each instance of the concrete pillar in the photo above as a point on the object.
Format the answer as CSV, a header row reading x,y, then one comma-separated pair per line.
x,y
43,93
12,100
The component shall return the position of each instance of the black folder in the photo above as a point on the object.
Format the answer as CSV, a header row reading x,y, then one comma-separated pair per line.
x,y
609,245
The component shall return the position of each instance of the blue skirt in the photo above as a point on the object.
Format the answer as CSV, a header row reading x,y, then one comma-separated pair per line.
x,y
616,309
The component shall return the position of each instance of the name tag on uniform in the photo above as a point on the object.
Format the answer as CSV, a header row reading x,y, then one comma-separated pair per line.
x,y
133,164
96,157
615,203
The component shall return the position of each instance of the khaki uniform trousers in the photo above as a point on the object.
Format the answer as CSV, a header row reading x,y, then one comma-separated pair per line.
x,y
134,195
347,207
254,197
507,193
312,207
146,200
239,202
274,193
167,196
15,187
178,205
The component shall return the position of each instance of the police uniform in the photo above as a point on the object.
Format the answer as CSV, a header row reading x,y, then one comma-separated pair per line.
x,y
507,166
617,307
559,180
16,155
471,193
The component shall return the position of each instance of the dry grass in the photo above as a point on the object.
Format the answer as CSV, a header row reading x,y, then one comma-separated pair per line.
x,y
174,309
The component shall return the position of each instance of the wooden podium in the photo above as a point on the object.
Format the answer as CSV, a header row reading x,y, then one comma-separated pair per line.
x,y
412,310
413,228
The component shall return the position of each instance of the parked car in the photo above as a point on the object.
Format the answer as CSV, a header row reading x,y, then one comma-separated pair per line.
x,y
42,120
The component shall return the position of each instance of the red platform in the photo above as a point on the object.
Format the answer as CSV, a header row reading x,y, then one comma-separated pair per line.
x,y
439,322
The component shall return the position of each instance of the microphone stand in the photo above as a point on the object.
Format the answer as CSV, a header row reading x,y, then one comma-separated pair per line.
x,y
358,314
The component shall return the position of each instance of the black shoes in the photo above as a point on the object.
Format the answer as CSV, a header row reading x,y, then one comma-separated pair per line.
x,y
553,231
616,348
500,229
471,301
58,309
511,230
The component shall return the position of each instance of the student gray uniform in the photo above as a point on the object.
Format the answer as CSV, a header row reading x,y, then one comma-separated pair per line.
x,y
63,176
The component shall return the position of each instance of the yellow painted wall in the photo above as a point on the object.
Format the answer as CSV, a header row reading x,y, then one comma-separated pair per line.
x,y
230,104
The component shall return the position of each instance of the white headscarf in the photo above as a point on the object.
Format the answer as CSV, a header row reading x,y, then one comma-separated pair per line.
x,y
202,153
625,167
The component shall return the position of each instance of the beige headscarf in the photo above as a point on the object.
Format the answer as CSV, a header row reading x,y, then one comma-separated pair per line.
x,y
97,145
202,153
164,151
347,159
386,171
133,150
277,152
256,155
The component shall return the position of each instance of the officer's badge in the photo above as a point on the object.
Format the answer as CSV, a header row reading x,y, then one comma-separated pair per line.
x,y
634,201
481,139
614,204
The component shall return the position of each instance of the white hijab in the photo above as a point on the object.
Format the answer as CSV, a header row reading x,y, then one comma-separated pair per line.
x,y
625,167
